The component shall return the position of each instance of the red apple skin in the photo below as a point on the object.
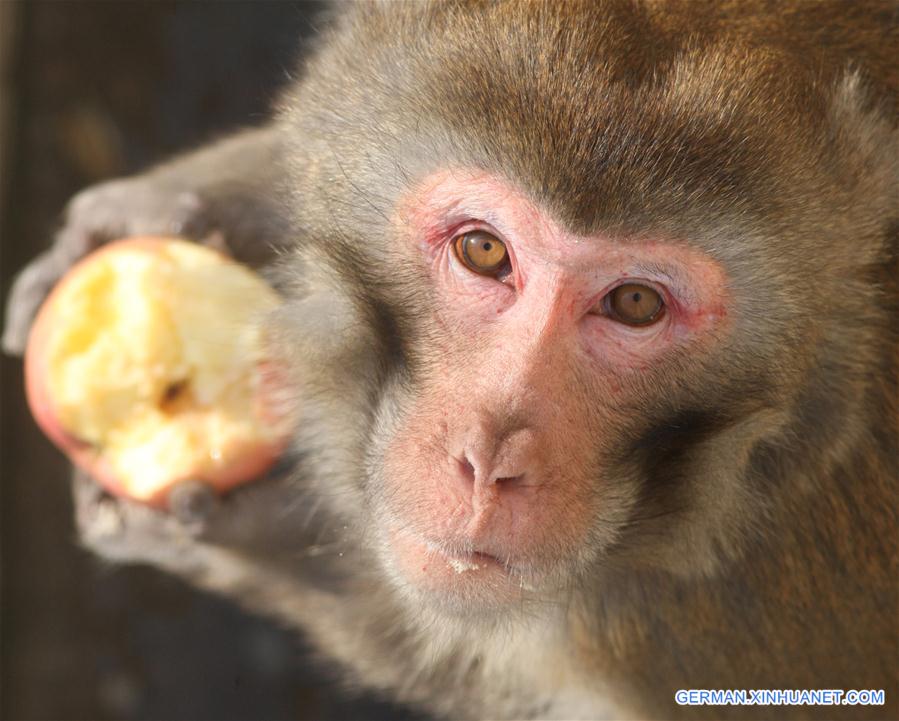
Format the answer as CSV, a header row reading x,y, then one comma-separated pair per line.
x,y
251,462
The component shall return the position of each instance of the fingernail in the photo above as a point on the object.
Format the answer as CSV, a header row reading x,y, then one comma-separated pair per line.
x,y
216,241
192,502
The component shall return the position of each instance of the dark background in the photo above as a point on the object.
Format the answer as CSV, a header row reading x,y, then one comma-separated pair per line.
x,y
91,90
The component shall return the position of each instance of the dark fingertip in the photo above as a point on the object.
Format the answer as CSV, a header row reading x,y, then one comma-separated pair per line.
x,y
216,241
285,466
13,341
192,502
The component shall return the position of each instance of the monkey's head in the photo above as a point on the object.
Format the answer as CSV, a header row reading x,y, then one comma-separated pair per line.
x,y
598,297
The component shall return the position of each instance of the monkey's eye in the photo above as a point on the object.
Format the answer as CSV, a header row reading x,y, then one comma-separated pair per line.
x,y
634,304
481,252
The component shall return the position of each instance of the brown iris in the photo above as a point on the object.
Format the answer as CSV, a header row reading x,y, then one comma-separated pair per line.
x,y
635,304
481,252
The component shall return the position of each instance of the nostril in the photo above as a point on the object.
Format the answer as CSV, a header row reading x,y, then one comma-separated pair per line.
x,y
470,472
466,469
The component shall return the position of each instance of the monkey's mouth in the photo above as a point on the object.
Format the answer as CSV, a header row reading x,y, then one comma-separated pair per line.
x,y
464,561
448,571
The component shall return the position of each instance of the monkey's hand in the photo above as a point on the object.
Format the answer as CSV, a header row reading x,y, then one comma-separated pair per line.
x,y
116,209
220,195
267,520
257,546
262,545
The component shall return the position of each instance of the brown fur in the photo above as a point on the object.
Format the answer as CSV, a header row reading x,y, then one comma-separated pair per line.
x,y
762,553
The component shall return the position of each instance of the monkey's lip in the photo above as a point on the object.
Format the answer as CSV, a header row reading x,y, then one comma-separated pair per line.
x,y
440,565
462,561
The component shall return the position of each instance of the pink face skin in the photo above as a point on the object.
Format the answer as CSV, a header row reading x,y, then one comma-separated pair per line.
x,y
492,476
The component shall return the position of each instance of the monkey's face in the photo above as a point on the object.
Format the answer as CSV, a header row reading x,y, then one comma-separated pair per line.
x,y
503,463
603,287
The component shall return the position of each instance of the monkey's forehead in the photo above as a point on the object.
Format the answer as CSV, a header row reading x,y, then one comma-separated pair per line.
x,y
616,116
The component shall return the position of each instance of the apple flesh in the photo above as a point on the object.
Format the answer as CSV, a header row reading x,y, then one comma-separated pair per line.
x,y
146,366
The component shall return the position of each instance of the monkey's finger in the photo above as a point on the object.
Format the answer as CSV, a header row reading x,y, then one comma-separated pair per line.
x,y
28,292
193,503
269,513
37,279
114,209
216,240
129,532
76,239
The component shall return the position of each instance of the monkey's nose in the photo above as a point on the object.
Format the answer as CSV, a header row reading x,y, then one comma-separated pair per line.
x,y
470,474
487,459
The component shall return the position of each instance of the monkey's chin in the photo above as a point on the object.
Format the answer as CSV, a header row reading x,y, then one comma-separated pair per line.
x,y
455,583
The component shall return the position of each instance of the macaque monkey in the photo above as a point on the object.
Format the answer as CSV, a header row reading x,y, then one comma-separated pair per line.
x,y
590,329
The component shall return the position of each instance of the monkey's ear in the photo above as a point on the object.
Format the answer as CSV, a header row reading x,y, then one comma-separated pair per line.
x,y
867,139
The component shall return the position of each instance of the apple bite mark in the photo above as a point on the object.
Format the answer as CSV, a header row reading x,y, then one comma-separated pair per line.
x,y
144,367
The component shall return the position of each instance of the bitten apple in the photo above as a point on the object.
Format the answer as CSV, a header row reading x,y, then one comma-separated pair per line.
x,y
146,366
